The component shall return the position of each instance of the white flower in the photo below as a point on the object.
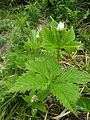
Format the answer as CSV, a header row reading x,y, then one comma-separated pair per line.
x,y
37,36
34,98
60,26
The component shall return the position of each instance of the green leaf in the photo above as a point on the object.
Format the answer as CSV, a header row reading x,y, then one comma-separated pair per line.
x,y
53,67
47,67
40,75
53,23
33,42
73,75
42,94
58,39
40,106
84,104
27,82
45,34
49,37
33,112
67,38
67,93
27,98
73,46
37,66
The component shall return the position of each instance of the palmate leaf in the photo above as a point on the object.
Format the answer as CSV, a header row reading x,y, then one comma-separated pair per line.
x,y
67,93
53,67
66,87
45,73
52,38
39,75
68,41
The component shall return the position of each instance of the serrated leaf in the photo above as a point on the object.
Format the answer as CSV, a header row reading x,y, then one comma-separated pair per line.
x,y
39,77
45,34
47,67
53,67
67,38
49,37
73,46
27,82
67,93
73,75
37,66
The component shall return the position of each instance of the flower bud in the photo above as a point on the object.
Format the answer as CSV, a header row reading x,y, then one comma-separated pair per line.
x,y
37,36
60,26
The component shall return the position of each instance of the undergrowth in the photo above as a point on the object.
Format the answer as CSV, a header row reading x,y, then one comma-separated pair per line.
x,y
44,64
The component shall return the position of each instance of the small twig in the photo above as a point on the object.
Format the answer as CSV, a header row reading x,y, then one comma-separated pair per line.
x,y
64,62
86,58
45,118
63,113
82,89
73,56
87,116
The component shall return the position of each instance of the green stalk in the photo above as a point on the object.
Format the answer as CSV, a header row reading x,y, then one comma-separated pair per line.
x,y
58,54
58,50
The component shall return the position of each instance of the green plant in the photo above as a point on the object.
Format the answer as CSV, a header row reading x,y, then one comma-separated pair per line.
x,y
33,70
34,14
43,75
46,74
52,41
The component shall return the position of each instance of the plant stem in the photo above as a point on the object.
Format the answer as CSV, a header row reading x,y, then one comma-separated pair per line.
x,y
58,54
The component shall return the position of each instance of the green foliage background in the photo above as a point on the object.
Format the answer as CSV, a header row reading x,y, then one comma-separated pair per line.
x,y
42,68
